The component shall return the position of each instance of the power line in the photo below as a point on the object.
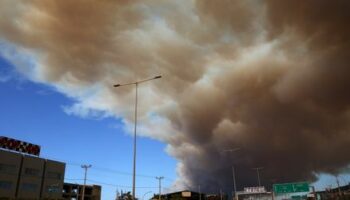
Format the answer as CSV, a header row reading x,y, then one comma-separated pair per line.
x,y
121,172
108,184
99,168
73,179
115,185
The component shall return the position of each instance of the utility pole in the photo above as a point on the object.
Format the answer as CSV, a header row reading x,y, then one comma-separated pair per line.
x,y
233,170
258,174
86,167
160,185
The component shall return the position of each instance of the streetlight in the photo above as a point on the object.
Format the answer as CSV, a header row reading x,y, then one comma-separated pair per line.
x,y
134,161
233,170
145,194
258,174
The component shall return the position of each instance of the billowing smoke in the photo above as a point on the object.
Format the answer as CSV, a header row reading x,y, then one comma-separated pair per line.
x,y
268,77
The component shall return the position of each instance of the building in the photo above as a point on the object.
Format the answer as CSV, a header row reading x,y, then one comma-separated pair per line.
x,y
75,191
243,195
216,197
254,193
181,195
26,176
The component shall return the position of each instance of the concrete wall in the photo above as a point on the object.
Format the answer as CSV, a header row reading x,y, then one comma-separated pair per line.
x,y
31,177
96,192
53,179
9,172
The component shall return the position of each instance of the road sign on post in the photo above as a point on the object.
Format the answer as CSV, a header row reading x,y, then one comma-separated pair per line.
x,y
291,187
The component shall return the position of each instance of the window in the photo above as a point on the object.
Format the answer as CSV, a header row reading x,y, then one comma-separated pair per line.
x,y
5,185
53,189
88,190
54,175
32,172
7,169
29,187
75,190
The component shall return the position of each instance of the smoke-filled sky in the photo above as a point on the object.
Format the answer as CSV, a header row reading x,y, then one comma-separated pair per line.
x,y
268,77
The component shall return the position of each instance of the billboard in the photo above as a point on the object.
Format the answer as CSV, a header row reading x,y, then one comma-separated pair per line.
x,y
254,190
19,146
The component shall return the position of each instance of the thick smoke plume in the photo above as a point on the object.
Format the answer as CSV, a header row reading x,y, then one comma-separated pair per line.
x,y
268,77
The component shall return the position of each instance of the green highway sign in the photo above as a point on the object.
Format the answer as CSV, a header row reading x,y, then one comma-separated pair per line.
x,y
291,187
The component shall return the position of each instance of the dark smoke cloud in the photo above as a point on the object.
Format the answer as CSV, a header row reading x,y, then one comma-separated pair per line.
x,y
271,78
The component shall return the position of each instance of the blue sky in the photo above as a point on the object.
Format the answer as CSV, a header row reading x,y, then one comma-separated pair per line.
x,y
34,112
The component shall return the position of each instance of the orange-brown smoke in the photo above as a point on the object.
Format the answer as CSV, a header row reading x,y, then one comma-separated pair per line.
x,y
268,77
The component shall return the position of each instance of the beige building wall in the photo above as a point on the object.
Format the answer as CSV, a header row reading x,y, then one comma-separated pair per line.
x,y
28,177
9,172
31,178
96,192
53,179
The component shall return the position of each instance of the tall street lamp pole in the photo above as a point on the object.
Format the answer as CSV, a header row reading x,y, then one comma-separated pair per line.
x,y
258,174
134,160
233,170
234,180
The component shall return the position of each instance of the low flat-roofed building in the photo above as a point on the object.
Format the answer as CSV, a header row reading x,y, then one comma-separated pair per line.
x,y
181,195
75,191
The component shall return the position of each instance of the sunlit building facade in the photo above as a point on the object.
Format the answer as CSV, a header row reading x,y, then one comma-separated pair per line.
x,y
30,177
